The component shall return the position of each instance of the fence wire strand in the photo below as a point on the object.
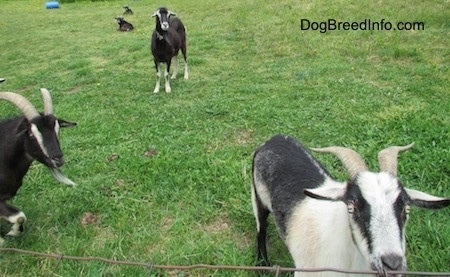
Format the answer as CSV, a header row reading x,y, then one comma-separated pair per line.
x,y
276,269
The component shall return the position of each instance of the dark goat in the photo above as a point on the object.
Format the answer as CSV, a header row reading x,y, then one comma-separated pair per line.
x,y
124,26
168,38
127,10
24,139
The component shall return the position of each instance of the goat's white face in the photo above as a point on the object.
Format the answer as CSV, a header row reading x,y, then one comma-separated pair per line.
x,y
163,16
378,210
378,207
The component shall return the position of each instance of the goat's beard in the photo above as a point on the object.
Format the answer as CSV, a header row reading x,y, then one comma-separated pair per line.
x,y
61,177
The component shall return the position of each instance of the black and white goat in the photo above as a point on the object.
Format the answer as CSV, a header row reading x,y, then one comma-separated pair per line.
x,y
354,225
168,38
127,11
124,26
24,139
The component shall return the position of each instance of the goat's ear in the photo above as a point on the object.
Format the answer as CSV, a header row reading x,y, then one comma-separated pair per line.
x,y
331,193
63,123
154,14
426,201
172,13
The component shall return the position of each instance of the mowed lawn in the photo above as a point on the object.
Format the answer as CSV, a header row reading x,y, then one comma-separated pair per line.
x,y
165,178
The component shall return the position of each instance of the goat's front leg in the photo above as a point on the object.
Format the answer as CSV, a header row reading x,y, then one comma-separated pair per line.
x,y
14,216
166,77
158,77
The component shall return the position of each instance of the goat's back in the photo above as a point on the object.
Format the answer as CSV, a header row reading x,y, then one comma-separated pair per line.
x,y
177,25
283,161
282,169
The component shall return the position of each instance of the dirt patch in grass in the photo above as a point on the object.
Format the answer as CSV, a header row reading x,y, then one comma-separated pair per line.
x,y
89,218
75,89
220,225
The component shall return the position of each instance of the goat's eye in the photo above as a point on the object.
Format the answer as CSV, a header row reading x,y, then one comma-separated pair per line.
x,y
407,209
350,208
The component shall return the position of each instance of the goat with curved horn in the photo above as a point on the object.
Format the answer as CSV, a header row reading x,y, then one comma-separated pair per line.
x,y
23,139
25,106
351,160
357,224
387,158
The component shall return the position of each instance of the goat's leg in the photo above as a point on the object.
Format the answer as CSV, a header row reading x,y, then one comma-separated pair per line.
x,y
175,67
14,216
261,214
158,77
166,77
183,50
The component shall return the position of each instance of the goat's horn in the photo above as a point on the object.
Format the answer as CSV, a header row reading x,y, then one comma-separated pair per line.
x,y
351,160
387,158
48,105
25,106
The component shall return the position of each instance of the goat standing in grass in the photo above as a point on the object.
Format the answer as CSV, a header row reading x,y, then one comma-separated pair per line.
x,y
168,38
354,225
24,139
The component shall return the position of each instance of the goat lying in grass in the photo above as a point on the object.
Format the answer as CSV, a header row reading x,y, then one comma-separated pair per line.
x,y
124,26
168,38
354,225
24,139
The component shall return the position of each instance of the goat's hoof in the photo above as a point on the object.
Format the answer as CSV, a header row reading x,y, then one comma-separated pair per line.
x,y
168,91
156,91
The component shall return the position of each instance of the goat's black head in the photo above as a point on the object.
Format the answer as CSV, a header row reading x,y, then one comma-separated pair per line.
x,y
41,131
43,140
119,19
127,10
162,18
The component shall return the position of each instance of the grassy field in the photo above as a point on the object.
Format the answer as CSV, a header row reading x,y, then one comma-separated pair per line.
x,y
165,178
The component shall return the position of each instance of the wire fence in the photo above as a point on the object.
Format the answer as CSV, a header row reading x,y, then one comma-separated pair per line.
x,y
276,270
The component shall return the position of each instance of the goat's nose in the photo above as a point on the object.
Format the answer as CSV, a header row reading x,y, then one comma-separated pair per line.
x,y
165,26
392,262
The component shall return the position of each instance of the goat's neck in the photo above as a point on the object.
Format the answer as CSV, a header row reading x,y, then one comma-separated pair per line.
x,y
323,234
159,36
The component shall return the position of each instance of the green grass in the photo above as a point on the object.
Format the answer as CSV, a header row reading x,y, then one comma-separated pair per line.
x,y
167,176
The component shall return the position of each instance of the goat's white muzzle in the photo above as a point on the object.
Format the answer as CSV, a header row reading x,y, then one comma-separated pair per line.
x,y
165,26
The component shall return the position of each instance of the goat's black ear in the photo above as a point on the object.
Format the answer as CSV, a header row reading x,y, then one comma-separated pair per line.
x,y
63,123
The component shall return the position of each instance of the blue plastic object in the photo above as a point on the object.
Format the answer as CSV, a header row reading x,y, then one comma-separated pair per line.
x,y
52,5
